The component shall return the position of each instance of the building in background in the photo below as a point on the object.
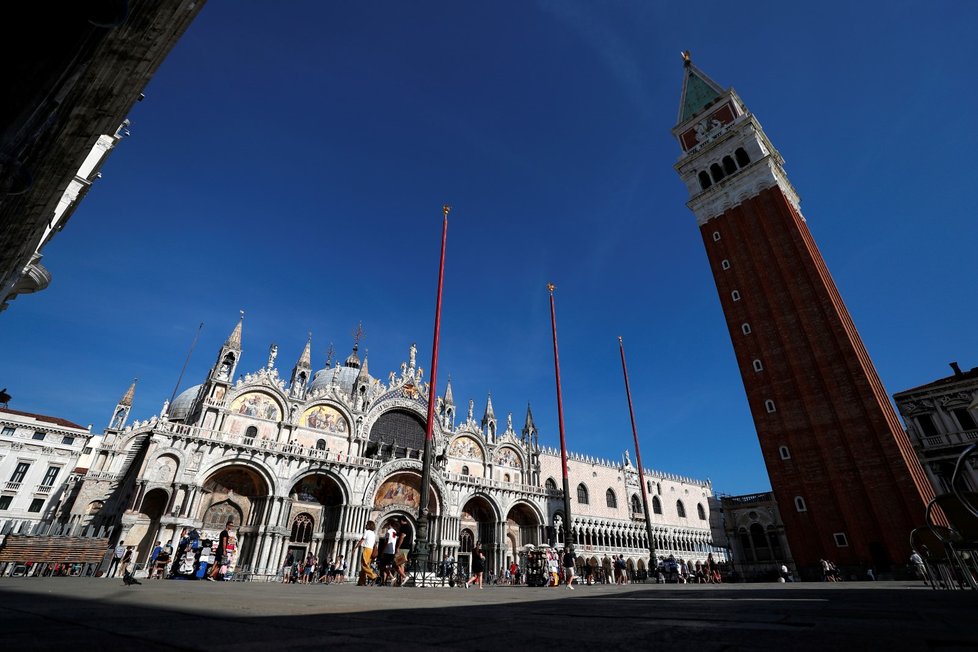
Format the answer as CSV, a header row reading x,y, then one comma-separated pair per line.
x,y
38,454
302,463
842,468
79,69
942,420
755,533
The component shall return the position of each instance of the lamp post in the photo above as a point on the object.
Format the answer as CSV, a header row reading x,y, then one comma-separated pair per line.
x,y
568,539
422,548
638,458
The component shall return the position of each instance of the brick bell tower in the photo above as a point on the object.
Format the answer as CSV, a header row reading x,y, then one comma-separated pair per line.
x,y
847,481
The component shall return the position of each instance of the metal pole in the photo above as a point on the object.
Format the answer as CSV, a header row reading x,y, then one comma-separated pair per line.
x,y
638,457
568,538
189,353
421,545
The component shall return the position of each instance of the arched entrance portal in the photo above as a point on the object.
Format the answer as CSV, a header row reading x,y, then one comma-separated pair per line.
x,y
148,524
479,518
317,503
522,527
237,493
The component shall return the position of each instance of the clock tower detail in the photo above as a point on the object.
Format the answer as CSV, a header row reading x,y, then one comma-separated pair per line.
x,y
847,481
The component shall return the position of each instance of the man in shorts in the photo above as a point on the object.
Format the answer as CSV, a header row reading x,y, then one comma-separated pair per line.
x,y
221,555
569,558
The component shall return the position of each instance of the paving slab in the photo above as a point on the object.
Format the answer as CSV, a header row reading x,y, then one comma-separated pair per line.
x,y
89,613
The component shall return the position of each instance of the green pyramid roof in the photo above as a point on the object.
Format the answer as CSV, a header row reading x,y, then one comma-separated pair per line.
x,y
698,91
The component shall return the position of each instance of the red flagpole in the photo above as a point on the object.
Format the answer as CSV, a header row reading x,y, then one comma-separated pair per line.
x,y
568,539
422,548
638,458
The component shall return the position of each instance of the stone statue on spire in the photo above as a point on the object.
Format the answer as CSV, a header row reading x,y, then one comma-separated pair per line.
x,y
413,355
272,354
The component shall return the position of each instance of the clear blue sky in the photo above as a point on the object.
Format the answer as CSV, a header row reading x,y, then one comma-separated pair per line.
x,y
291,160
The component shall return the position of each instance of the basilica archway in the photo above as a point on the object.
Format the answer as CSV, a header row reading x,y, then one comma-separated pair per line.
x,y
318,498
151,510
236,492
522,527
480,517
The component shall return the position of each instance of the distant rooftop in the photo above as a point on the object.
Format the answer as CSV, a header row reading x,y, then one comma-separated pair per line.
x,y
957,377
42,417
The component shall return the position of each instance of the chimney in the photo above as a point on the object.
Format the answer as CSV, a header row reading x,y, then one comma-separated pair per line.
x,y
956,368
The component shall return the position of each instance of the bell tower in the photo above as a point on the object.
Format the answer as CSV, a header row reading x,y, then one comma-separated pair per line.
x,y
847,482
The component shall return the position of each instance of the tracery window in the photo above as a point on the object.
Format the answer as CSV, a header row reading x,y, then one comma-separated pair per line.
x,y
302,529
611,499
582,496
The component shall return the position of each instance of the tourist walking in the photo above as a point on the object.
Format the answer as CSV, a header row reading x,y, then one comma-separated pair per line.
x,y
917,562
478,565
569,561
287,567
120,550
221,555
126,560
368,540
389,543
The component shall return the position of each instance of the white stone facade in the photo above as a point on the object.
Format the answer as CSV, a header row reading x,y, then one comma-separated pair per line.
x,y
304,465
38,455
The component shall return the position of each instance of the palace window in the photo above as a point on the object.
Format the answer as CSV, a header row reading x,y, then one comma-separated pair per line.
x,y
550,484
728,165
465,471
742,158
250,435
636,504
302,529
724,264
67,441
758,365
716,236
39,436
841,541
582,497
8,431
700,511
926,422
506,478
785,453
735,295
20,472
50,476
965,419
321,445
5,502
769,406
658,489
36,505
705,180
745,328
800,504
680,509
716,172
611,499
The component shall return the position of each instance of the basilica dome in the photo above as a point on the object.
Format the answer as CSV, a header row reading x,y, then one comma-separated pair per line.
x,y
180,407
342,377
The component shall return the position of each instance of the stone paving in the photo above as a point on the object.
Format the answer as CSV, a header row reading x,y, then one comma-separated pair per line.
x,y
84,613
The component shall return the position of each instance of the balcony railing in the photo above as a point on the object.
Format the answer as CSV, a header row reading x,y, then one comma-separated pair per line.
x,y
12,486
257,443
962,437
44,489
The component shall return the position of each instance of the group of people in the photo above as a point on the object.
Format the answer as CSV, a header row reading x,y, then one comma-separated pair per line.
x,y
689,572
384,556
309,570
830,572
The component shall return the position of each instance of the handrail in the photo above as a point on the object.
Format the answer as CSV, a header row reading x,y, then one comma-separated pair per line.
x,y
954,478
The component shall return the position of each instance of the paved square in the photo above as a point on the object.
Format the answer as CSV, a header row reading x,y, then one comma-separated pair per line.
x,y
55,613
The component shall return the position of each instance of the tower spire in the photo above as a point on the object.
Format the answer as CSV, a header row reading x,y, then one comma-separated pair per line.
x,y
301,371
489,419
449,399
123,407
699,91
234,339
130,393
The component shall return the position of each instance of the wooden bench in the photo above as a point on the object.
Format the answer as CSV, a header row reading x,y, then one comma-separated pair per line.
x,y
53,549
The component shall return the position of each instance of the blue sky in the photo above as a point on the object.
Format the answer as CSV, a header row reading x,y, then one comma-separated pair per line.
x,y
292,161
